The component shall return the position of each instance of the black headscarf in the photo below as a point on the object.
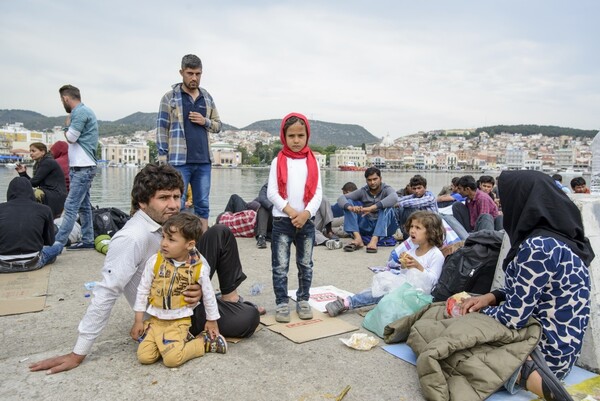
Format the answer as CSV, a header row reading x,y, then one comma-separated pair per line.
x,y
534,205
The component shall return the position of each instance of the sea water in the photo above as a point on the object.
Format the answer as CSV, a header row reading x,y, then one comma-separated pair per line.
x,y
112,185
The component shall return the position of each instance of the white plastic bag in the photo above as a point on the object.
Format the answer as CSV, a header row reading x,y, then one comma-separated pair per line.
x,y
385,282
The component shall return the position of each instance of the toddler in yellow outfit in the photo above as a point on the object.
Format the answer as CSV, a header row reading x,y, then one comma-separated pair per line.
x,y
160,294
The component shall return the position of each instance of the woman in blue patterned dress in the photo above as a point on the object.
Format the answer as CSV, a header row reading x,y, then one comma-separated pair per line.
x,y
547,278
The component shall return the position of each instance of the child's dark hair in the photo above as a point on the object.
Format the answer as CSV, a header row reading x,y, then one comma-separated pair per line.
x,y
291,121
187,224
436,233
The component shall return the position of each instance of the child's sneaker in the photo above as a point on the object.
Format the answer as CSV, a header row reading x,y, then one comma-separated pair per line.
x,y
282,313
217,344
304,310
336,307
333,244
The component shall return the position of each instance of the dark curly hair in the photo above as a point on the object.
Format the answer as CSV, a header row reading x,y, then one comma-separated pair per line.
x,y
436,233
151,179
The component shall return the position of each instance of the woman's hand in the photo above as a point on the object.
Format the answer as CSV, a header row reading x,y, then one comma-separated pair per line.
x,y
475,304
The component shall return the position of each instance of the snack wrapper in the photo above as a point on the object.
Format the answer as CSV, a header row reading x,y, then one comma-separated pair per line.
x,y
360,341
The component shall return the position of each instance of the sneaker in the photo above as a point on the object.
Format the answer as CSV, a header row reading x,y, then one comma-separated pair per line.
x,y
261,242
80,246
333,244
282,313
217,344
304,310
336,307
398,236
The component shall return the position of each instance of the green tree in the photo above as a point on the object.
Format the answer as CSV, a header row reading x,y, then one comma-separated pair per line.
x,y
245,154
99,150
152,151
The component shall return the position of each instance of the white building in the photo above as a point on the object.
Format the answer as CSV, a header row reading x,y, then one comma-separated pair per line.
x,y
515,158
224,154
564,158
348,156
321,159
532,165
134,152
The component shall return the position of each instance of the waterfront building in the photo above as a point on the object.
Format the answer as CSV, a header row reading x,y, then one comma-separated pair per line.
x,y
532,164
321,159
564,158
16,136
224,154
133,152
347,156
515,156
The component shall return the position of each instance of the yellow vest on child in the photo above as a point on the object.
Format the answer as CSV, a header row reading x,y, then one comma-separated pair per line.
x,y
170,281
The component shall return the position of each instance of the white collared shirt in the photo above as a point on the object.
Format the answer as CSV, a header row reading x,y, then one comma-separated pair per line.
x,y
129,250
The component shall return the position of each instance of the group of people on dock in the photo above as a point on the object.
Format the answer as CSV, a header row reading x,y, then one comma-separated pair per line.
x,y
162,260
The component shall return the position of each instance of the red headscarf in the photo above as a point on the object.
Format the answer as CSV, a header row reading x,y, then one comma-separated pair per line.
x,y
311,163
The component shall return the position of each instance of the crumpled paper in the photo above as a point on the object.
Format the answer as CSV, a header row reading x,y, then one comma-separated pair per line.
x,y
360,341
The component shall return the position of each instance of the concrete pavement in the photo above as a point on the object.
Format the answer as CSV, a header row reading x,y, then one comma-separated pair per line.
x,y
266,366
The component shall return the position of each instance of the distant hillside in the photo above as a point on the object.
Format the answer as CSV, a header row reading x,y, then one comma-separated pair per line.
x,y
323,133
30,119
125,126
548,130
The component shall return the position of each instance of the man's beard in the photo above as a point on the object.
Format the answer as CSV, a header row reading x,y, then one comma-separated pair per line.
x,y
67,108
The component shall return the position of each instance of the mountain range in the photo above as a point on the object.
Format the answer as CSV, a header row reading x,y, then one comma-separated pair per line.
x,y
322,133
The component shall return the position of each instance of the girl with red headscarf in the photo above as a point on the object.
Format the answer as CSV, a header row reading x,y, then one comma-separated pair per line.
x,y
295,191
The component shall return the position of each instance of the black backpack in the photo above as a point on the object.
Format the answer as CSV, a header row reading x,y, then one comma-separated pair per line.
x,y
472,267
108,220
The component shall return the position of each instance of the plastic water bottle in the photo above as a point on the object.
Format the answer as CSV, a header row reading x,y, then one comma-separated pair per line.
x,y
256,288
595,180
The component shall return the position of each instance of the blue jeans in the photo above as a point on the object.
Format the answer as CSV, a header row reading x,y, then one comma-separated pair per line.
x,y
78,200
198,175
284,233
383,226
363,298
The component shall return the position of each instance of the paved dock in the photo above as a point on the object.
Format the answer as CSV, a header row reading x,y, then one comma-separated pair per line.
x,y
266,366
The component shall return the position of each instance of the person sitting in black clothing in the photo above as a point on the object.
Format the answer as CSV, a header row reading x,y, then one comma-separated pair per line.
x,y
48,178
25,227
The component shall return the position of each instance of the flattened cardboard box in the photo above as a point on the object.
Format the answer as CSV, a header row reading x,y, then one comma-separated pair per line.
x,y
300,331
23,292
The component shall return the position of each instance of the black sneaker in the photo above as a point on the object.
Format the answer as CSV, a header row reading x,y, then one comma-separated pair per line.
x,y
336,307
80,246
261,242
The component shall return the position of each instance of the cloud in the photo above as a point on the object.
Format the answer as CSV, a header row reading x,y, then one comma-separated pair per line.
x,y
392,67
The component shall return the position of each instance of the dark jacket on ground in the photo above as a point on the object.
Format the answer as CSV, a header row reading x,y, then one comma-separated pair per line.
x,y
49,177
25,225
60,152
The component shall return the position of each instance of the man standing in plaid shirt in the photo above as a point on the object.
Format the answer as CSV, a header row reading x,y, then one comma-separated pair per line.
x,y
186,116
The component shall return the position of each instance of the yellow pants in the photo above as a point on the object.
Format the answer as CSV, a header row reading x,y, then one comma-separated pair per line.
x,y
167,338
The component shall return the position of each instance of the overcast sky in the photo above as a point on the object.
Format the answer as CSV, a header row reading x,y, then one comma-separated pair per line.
x,y
392,67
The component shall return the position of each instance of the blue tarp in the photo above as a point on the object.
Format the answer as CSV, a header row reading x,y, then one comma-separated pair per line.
x,y
9,157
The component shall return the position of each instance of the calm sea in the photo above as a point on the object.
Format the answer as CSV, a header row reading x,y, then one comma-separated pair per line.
x,y
112,186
